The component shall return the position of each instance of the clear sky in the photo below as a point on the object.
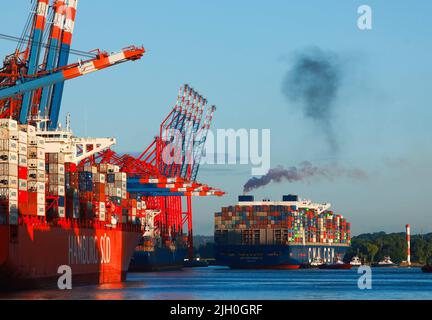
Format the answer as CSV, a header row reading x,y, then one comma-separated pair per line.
x,y
237,53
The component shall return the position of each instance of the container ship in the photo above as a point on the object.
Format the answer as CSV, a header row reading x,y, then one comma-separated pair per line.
x,y
285,234
67,200
55,213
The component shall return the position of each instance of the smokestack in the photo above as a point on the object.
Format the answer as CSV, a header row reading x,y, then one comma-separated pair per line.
x,y
408,239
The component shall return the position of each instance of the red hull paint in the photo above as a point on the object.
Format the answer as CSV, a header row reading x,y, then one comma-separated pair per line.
x,y
31,254
336,266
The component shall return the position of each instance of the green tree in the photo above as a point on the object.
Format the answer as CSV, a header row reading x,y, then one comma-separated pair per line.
x,y
372,250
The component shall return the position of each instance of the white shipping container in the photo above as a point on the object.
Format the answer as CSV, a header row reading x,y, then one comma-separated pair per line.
x,y
8,145
8,182
40,198
41,176
22,160
8,134
22,137
9,124
102,216
41,187
32,175
22,149
124,194
32,141
118,192
32,164
22,185
9,157
41,210
120,176
41,142
61,212
120,184
29,129
9,169
9,194
32,186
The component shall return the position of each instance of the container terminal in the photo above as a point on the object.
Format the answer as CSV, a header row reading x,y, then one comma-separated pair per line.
x,y
68,200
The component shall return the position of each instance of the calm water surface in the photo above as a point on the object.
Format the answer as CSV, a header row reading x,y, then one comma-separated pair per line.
x,y
222,283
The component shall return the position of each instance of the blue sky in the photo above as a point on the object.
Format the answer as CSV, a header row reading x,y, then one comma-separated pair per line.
x,y
237,53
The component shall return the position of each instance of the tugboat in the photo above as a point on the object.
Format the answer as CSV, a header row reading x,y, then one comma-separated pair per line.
x,y
386,263
316,262
356,262
338,265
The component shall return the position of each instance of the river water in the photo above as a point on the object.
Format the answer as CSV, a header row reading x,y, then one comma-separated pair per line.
x,y
222,283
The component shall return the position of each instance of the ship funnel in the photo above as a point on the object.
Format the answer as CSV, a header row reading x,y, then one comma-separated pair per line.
x,y
290,197
245,198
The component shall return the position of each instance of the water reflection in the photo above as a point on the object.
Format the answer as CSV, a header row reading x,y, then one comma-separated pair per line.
x,y
220,283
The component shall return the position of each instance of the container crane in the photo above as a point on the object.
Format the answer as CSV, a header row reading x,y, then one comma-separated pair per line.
x,y
30,90
161,185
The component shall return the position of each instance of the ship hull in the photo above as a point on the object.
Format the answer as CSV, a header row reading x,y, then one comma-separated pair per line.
x,y
32,254
275,256
161,259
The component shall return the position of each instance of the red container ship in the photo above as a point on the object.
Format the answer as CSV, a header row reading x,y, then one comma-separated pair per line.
x,y
67,200
32,252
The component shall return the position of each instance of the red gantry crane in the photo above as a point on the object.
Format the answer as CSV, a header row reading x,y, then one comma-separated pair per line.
x,y
31,87
163,183
32,78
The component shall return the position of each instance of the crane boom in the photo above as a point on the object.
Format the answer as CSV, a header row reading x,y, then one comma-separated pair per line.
x,y
102,61
65,47
35,47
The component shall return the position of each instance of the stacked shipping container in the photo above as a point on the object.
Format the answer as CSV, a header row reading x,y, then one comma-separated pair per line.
x,y
9,171
36,183
274,224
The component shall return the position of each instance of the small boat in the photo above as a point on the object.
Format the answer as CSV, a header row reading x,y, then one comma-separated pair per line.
x,y
386,263
195,263
316,262
356,262
427,268
338,265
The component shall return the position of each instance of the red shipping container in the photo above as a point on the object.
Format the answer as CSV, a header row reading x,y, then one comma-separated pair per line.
x,y
70,167
22,197
22,173
23,208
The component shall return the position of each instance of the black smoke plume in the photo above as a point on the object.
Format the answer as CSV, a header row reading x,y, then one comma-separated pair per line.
x,y
306,171
313,83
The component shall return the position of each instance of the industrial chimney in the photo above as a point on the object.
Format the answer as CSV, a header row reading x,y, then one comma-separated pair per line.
x,y
408,239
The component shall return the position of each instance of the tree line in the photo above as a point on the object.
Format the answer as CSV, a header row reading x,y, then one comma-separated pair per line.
x,y
373,247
